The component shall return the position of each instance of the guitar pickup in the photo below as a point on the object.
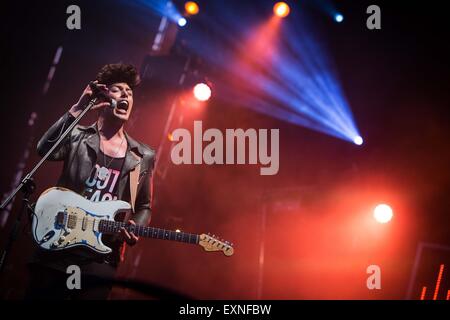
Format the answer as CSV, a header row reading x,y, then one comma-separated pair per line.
x,y
60,220
84,224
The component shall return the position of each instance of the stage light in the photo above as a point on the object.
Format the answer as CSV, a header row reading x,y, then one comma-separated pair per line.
x,y
165,9
178,230
358,140
182,22
281,9
202,92
339,17
191,8
278,69
383,213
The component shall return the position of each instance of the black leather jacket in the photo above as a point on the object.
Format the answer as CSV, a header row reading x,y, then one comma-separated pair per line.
x,y
79,153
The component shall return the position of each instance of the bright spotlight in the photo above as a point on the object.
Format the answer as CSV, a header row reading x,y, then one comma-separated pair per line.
x,y
281,9
202,92
339,17
358,140
182,22
383,213
191,8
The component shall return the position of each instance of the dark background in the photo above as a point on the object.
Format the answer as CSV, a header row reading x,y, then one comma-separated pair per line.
x,y
319,236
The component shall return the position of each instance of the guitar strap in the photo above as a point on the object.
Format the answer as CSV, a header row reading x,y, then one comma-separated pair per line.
x,y
134,181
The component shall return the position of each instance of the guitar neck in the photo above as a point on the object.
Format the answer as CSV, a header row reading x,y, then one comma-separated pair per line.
x,y
107,226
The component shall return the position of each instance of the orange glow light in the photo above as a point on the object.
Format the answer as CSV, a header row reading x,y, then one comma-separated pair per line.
x,y
422,295
438,282
169,136
281,9
191,8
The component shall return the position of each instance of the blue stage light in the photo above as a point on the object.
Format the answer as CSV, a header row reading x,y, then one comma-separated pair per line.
x,y
163,8
358,140
339,17
182,22
291,79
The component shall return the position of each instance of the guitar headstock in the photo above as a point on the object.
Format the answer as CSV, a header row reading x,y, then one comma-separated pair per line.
x,y
211,243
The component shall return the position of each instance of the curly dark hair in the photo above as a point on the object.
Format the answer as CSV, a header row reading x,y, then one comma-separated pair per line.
x,y
119,72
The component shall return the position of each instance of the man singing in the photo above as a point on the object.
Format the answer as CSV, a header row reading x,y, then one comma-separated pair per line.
x,y
101,162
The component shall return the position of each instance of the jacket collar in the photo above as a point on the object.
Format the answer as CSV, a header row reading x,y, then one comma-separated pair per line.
x,y
133,156
94,140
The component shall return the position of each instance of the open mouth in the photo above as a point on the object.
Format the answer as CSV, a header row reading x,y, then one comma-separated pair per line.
x,y
122,106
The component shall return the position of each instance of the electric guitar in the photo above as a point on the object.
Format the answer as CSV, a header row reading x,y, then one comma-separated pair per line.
x,y
63,219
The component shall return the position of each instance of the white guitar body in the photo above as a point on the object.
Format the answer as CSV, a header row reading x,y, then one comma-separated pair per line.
x,y
64,219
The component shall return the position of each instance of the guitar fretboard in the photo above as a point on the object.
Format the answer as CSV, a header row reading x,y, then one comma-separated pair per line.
x,y
107,226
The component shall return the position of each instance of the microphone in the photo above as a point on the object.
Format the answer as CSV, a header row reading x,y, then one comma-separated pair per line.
x,y
98,92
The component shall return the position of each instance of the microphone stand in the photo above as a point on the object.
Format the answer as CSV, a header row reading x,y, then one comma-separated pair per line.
x,y
27,185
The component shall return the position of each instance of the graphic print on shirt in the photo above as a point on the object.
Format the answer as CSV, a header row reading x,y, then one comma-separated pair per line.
x,y
97,189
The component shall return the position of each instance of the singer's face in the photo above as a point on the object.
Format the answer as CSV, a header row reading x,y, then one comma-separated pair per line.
x,y
121,92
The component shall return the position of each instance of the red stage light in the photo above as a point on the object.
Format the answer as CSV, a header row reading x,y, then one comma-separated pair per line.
x,y
422,294
383,213
438,281
202,92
